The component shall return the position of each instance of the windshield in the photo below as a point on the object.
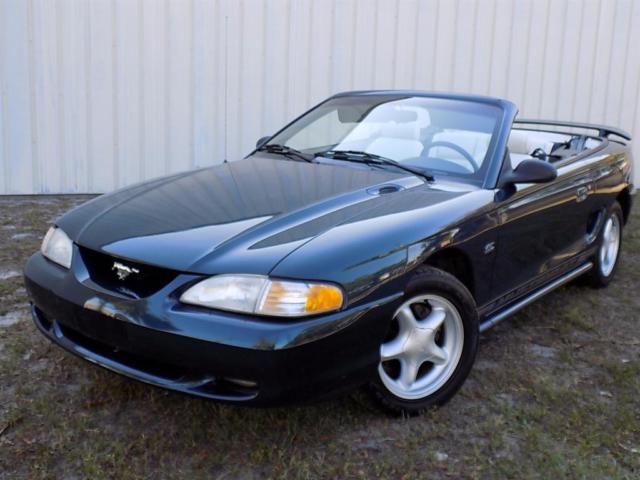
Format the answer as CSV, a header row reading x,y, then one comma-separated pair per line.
x,y
444,137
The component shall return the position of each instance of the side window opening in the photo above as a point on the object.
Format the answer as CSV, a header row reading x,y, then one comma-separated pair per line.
x,y
549,146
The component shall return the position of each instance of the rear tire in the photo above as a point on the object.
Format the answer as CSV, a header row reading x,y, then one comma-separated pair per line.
x,y
605,261
430,347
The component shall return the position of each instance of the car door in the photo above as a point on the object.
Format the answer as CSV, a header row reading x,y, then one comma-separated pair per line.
x,y
543,229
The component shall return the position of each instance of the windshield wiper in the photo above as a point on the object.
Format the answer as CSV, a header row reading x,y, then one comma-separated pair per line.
x,y
373,159
286,151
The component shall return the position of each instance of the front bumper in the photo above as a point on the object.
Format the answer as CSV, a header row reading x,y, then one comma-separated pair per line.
x,y
217,355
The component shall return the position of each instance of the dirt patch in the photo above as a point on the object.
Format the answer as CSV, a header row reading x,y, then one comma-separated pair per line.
x,y
10,318
542,351
6,274
21,236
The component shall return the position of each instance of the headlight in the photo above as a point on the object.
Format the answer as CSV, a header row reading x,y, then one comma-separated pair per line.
x,y
263,296
57,247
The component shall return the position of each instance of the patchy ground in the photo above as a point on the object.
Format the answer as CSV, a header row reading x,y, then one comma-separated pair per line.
x,y
555,393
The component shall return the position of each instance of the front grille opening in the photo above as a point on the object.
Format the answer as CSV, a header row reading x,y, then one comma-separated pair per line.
x,y
190,379
145,281
134,361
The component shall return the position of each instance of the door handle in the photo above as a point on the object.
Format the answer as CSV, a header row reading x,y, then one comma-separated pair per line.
x,y
582,193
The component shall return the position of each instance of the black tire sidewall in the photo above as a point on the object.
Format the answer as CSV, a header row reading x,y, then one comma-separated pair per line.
x,y
429,280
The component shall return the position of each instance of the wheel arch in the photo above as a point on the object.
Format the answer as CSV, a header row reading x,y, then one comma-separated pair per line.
x,y
624,199
455,262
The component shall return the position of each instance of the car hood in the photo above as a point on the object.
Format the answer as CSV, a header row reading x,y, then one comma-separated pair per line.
x,y
243,216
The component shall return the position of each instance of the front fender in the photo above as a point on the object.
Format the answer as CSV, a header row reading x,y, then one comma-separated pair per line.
x,y
379,248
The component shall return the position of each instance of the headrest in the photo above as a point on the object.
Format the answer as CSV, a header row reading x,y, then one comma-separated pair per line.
x,y
519,142
526,141
405,130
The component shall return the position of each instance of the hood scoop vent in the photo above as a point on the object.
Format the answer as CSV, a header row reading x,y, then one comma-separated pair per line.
x,y
384,189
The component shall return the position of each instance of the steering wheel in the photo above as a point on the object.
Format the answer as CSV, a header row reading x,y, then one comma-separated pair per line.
x,y
457,148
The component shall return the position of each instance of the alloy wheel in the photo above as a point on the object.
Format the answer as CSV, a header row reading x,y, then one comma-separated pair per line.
x,y
423,348
610,245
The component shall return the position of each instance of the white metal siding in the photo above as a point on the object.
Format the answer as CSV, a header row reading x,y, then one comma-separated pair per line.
x,y
96,94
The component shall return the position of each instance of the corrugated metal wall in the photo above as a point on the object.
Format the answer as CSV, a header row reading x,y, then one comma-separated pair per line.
x,y
98,94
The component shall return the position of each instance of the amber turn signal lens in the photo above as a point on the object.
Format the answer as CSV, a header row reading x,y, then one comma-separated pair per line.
x,y
323,298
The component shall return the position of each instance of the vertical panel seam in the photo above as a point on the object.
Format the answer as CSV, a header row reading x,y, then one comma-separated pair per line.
x,y
634,122
624,63
352,46
594,57
416,21
492,47
613,35
454,43
527,51
215,98
226,82
192,80
142,135
3,109
167,88
374,47
636,106
509,65
544,55
331,46
563,41
61,102
394,55
238,99
474,33
114,95
574,95
263,50
35,163
309,71
435,44
88,109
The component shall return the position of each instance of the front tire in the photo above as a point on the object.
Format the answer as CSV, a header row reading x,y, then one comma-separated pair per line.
x,y
431,344
605,261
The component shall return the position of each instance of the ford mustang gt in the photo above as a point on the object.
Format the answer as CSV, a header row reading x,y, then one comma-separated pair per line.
x,y
367,243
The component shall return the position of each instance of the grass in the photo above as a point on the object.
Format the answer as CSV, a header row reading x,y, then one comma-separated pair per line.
x,y
555,393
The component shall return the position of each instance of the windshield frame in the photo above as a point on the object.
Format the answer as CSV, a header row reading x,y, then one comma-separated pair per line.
x,y
497,146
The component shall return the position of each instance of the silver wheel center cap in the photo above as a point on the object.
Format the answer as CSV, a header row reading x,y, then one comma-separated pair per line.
x,y
421,344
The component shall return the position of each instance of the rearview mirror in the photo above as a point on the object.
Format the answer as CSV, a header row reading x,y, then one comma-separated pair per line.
x,y
531,171
261,141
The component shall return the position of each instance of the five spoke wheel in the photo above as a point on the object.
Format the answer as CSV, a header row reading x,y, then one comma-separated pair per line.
x,y
610,245
423,348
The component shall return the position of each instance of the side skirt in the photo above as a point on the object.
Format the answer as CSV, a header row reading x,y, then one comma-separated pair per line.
x,y
497,317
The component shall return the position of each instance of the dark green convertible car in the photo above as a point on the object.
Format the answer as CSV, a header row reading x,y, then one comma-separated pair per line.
x,y
367,243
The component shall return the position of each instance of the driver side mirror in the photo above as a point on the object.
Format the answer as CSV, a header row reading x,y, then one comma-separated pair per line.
x,y
531,171
261,141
